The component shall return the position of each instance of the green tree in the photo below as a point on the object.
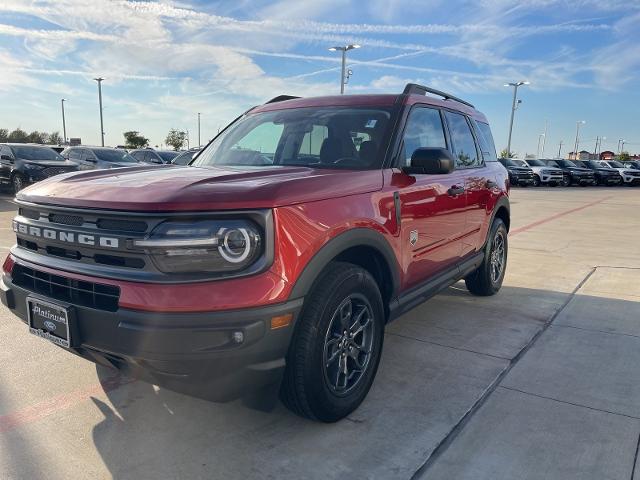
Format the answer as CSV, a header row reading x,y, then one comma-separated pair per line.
x,y
18,136
4,135
176,138
505,154
54,138
133,139
623,156
37,137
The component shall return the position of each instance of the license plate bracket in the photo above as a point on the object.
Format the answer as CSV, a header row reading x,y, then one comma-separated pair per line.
x,y
51,321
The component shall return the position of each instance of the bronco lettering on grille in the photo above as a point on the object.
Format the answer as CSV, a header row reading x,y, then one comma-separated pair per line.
x,y
65,236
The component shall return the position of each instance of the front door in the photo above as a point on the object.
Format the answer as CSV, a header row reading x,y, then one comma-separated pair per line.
x,y
432,206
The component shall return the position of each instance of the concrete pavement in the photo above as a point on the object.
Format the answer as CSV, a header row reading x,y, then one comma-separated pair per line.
x,y
539,381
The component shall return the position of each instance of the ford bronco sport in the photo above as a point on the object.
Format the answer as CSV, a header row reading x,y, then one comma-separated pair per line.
x,y
277,257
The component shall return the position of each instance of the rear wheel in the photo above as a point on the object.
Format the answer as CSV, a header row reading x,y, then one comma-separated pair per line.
x,y
334,355
487,279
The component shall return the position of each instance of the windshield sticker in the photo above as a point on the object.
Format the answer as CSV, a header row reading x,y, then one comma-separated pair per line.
x,y
371,123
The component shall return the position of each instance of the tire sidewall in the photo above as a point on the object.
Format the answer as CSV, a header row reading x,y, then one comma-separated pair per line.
x,y
321,397
536,181
498,224
15,187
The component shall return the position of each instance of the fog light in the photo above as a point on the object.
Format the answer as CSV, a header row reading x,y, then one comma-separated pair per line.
x,y
237,337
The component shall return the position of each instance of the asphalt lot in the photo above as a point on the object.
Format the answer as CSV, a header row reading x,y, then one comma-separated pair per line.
x,y
540,381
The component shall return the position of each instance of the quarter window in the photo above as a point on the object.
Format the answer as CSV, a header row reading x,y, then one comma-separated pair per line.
x,y
463,142
485,138
423,130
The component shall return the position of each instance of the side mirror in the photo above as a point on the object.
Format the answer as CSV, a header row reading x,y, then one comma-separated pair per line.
x,y
434,161
6,157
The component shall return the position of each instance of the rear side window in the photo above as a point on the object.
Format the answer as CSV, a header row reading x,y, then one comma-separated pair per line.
x,y
75,154
423,130
487,146
463,142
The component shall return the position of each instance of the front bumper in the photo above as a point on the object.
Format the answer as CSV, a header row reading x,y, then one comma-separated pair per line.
x,y
193,353
552,178
631,180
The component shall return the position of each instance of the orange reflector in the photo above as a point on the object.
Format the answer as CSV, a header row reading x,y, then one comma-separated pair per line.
x,y
281,321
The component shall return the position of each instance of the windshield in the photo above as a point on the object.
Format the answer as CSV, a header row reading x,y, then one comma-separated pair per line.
x,y
615,164
36,153
552,163
327,137
114,156
593,164
568,163
536,163
168,156
518,163
184,158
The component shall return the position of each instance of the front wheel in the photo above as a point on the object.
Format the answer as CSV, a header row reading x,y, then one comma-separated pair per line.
x,y
487,279
566,181
536,181
336,348
18,183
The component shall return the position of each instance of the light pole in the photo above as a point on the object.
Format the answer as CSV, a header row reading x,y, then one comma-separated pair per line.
x,y
514,106
620,148
622,142
99,80
64,125
560,149
344,51
540,137
575,149
544,140
199,144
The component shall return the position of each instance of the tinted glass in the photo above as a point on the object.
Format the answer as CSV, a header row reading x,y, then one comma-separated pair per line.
x,y
463,141
167,156
487,146
184,158
324,137
424,130
35,153
536,163
616,164
113,156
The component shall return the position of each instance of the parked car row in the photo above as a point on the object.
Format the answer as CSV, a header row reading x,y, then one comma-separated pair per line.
x,y
553,172
23,164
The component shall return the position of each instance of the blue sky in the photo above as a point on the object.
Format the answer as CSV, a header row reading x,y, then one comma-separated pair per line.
x,y
164,62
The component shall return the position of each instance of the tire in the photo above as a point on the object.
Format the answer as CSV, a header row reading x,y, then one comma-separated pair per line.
x,y
17,182
536,181
486,281
566,181
319,346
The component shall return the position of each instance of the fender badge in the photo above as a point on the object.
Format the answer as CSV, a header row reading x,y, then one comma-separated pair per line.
x,y
413,237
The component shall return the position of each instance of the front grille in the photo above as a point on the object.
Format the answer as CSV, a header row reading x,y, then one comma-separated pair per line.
x,y
75,220
77,292
122,225
51,171
32,214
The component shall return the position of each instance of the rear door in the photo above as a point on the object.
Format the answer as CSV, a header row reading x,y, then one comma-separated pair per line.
x,y
432,207
470,164
5,163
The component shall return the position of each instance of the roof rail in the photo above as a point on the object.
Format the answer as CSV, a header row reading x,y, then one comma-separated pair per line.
x,y
414,88
281,98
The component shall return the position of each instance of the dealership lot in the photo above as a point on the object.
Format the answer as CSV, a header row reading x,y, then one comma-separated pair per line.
x,y
540,381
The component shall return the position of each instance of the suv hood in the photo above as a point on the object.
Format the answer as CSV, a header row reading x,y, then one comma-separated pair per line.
x,y
48,163
173,188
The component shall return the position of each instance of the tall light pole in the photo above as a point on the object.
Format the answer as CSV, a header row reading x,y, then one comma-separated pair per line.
x,y
622,142
64,125
99,80
514,106
540,137
575,148
343,73
199,144
620,148
560,149
544,140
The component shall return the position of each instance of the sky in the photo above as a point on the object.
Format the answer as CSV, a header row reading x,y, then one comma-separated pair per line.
x,y
163,62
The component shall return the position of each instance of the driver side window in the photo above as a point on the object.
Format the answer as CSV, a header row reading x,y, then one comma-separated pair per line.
x,y
423,130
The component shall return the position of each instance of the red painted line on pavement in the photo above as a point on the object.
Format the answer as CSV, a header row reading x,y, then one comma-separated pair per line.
x,y
524,228
55,404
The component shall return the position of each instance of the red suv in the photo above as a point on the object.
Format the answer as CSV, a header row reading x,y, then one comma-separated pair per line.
x,y
277,257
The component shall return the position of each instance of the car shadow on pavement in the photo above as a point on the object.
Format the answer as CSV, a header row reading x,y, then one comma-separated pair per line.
x,y
6,202
438,360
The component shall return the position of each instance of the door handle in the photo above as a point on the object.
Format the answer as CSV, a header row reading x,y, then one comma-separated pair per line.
x,y
455,191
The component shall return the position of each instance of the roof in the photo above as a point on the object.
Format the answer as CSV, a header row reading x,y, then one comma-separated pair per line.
x,y
369,100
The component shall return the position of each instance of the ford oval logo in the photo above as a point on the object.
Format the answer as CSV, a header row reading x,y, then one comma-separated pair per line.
x,y
50,325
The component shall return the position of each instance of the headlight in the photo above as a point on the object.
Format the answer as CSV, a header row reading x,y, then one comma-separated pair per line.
x,y
204,246
31,166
